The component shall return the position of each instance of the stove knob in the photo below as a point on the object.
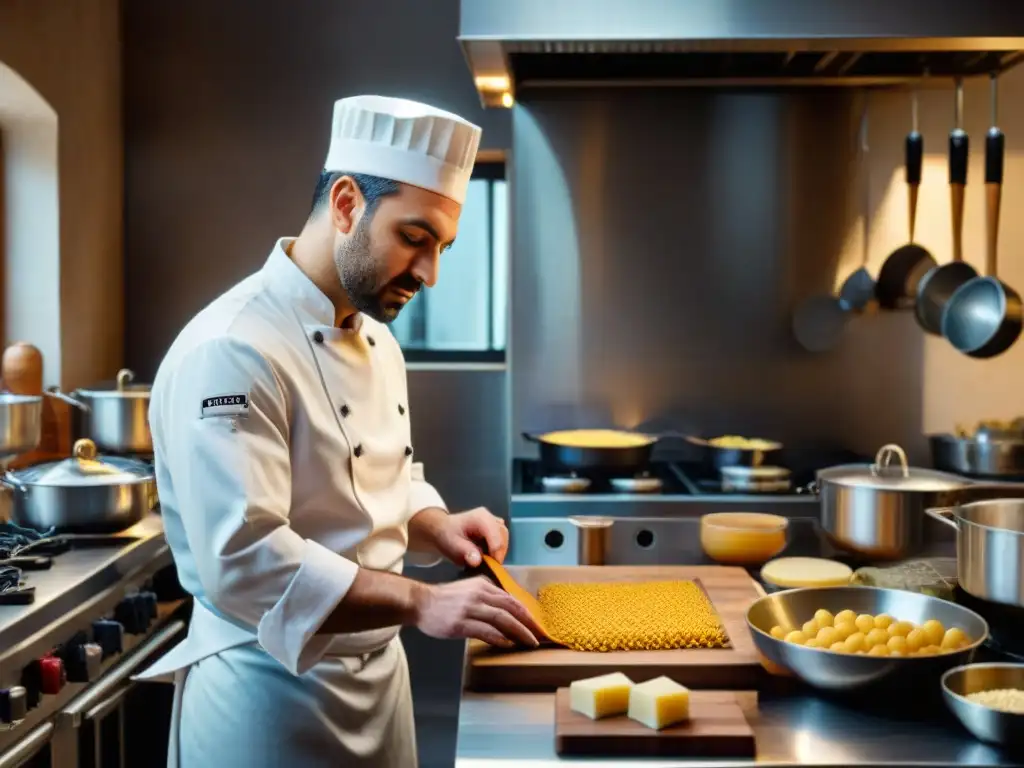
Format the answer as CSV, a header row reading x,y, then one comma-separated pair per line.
x,y
83,662
109,636
149,602
52,675
32,682
133,615
13,704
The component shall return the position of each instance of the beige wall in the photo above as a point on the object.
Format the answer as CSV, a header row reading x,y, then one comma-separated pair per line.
x,y
70,52
957,388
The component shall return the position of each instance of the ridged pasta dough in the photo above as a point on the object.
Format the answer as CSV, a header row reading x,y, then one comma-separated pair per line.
x,y
648,616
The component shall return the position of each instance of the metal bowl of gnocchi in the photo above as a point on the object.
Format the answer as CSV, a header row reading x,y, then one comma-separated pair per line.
x,y
849,638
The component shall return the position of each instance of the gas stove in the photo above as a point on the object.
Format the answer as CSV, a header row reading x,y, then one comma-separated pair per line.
x,y
100,608
667,475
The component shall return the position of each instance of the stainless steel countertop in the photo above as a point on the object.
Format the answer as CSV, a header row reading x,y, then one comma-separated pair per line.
x,y
792,727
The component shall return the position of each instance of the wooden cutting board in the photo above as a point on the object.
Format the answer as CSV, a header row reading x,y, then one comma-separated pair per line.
x,y
550,667
717,728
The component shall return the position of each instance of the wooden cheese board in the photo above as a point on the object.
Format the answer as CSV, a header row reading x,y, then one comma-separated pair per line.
x,y
717,728
731,591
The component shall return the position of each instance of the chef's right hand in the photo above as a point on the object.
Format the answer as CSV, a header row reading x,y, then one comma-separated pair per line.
x,y
475,608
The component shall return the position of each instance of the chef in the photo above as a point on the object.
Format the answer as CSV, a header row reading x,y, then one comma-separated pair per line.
x,y
290,488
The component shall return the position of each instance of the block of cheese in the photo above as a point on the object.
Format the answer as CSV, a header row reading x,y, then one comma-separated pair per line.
x,y
602,696
791,572
659,703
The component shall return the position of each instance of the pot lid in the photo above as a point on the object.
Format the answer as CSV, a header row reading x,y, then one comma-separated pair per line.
x,y
883,476
124,385
84,467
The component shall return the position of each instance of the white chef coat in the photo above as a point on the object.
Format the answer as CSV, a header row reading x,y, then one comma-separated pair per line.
x,y
283,464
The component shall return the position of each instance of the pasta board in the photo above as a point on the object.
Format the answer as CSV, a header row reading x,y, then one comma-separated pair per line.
x,y
731,591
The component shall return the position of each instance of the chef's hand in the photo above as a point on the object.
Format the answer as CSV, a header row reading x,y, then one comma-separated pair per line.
x,y
459,537
474,608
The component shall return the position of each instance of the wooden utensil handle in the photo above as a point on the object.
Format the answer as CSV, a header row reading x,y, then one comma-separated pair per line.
x,y
995,151
959,151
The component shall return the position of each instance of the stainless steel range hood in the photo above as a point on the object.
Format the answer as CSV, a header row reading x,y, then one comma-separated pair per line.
x,y
515,44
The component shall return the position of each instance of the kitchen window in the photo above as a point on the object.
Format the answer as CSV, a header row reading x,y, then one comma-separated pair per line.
x,y
463,318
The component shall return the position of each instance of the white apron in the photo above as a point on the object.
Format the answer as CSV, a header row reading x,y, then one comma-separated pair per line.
x,y
353,712
284,464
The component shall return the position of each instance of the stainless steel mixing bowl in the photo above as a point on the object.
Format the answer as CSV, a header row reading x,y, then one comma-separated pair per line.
x,y
845,672
990,725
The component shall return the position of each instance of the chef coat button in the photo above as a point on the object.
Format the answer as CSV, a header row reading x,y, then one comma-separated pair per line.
x,y
401,409
370,341
344,410
358,451
408,451
318,337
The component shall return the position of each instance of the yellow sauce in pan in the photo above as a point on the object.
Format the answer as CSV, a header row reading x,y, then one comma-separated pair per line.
x,y
596,438
743,443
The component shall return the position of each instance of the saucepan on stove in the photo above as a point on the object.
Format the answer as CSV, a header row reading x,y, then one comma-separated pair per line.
x,y
737,451
86,493
116,417
21,424
878,510
992,449
990,548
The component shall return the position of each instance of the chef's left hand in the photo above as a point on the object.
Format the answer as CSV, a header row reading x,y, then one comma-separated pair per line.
x,y
458,537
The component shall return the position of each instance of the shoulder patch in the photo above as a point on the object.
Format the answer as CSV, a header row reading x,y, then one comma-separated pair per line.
x,y
225,405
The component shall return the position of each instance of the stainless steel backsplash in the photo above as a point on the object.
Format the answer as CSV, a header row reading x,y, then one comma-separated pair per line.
x,y
661,240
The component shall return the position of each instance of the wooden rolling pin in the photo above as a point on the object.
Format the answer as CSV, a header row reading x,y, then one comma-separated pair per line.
x,y
21,372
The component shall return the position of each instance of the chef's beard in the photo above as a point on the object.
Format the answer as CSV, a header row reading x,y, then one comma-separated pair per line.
x,y
357,269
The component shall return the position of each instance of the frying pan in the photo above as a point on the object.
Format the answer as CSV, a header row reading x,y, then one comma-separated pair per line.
x,y
726,456
983,316
939,283
903,268
581,456
557,454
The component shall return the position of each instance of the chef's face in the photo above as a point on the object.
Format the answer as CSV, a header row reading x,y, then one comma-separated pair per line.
x,y
383,258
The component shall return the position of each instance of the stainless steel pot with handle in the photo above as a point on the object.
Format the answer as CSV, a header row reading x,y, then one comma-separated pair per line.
x,y
999,457
117,419
989,548
21,424
877,510
82,494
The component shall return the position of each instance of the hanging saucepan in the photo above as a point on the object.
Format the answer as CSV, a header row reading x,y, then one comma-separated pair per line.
x,y
117,419
818,321
938,284
903,268
857,292
86,493
983,317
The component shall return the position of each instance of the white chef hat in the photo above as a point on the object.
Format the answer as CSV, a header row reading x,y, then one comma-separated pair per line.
x,y
404,141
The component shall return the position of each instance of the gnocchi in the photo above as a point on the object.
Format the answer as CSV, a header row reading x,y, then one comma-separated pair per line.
x,y
881,635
